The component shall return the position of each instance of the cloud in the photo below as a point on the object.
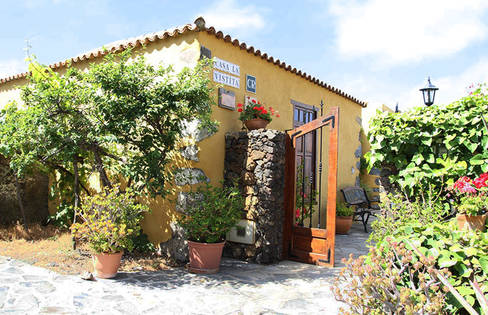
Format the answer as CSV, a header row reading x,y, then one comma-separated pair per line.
x,y
399,32
228,16
377,91
11,67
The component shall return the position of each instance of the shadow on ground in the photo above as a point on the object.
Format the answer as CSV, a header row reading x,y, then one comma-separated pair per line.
x,y
237,274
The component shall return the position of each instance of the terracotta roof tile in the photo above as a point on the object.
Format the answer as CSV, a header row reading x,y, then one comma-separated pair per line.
x,y
198,25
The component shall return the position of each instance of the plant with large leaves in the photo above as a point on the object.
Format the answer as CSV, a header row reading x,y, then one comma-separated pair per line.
x,y
431,146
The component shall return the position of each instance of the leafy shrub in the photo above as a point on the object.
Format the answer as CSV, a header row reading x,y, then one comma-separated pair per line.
x,y
110,220
431,145
390,280
215,211
464,254
63,218
343,211
142,244
398,211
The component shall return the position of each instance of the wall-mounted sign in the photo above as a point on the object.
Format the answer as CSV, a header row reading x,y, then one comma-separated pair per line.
x,y
227,99
250,83
226,66
226,79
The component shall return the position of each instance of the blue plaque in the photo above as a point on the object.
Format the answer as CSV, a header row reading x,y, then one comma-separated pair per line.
x,y
250,83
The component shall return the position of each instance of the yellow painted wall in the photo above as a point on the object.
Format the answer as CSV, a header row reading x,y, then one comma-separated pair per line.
x,y
275,87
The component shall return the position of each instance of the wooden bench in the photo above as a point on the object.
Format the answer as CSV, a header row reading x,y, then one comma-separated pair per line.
x,y
356,197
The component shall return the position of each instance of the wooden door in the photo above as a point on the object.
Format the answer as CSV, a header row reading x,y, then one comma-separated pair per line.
x,y
303,242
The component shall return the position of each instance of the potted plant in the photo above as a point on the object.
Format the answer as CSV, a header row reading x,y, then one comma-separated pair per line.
x,y
472,202
110,220
207,220
255,116
344,216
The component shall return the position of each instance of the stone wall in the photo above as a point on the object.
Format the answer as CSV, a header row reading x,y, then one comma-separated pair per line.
x,y
34,192
257,160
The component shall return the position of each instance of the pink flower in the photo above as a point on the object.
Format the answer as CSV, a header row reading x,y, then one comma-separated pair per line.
x,y
468,189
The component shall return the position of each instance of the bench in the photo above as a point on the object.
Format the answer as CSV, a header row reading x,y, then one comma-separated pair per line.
x,y
356,197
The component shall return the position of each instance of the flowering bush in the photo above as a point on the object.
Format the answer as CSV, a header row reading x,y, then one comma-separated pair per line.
x,y
471,195
256,110
110,221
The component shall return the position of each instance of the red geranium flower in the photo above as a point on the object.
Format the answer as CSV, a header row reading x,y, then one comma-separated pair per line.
x,y
239,110
239,105
277,115
264,111
254,101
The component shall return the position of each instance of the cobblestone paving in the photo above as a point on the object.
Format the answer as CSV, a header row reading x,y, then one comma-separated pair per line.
x,y
239,288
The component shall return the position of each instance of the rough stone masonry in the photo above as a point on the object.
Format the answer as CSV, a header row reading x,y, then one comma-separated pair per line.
x,y
257,160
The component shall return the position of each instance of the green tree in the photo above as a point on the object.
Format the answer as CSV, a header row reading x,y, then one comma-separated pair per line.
x,y
120,117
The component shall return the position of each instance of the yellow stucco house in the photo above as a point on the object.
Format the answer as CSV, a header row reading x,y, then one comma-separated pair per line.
x,y
241,71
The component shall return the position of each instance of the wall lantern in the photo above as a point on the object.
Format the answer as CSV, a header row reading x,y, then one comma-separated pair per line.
x,y
428,92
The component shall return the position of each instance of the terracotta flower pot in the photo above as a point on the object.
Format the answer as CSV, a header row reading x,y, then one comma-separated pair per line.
x,y
471,222
204,257
256,123
106,265
343,224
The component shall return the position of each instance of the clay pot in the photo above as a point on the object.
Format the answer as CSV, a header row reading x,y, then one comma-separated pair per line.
x,y
204,257
256,123
343,225
472,222
106,265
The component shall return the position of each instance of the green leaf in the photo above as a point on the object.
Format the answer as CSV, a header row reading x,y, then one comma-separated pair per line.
x,y
446,262
484,264
470,251
427,142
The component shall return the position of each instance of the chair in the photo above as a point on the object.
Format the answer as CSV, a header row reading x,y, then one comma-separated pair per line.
x,y
356,197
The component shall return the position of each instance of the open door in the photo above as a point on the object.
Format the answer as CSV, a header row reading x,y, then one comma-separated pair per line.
x,y
305,239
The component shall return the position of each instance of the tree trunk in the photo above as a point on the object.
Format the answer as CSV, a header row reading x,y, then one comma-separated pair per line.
x,y
21,202
101,169
77,195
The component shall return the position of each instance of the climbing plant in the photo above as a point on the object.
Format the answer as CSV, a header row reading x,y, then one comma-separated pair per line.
x,y
429,146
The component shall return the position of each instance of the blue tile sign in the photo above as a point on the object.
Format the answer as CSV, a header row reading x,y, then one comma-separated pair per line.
x,y
250,83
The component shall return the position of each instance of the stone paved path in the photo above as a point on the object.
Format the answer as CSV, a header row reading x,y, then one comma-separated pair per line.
x,y
239,288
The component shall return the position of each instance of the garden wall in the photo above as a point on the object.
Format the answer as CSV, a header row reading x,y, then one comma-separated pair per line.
x,y
257,160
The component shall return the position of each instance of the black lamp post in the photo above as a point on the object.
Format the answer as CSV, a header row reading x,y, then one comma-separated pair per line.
x,y
428,92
